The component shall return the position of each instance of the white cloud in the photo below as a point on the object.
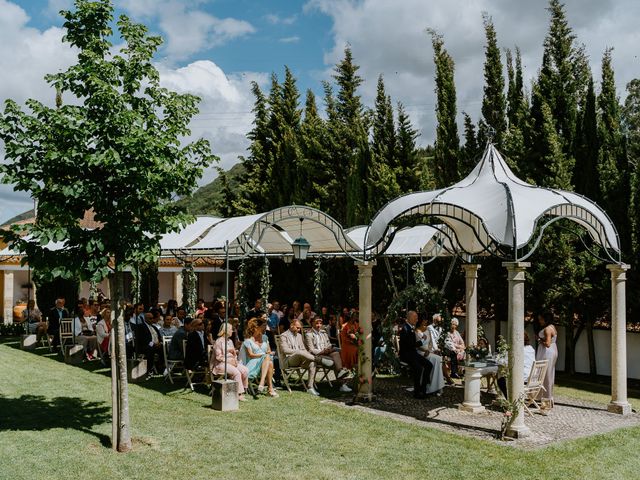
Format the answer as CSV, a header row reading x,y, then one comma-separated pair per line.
x,y
389,38
275,19
293,39
187,30
225,109
27,54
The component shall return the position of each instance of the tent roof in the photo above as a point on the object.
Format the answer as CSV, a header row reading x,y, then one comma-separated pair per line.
x,y
270,233
492,208
424,240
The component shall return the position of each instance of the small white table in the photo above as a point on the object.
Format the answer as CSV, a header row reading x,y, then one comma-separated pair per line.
x,y
472,381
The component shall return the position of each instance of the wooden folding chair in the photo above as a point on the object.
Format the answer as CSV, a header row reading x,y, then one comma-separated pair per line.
x,y
66,333
191,374
534,385
290,375
170,365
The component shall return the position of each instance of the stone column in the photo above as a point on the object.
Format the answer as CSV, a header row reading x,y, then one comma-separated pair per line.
x,y
471,286
365,272
619,403
516,278
177,287
7,297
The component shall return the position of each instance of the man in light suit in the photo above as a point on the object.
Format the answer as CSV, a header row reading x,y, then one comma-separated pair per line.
x,y
296,354
319,345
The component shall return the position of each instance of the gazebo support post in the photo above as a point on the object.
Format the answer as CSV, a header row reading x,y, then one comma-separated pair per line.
x,y
516,279
619,403
471,286
365,385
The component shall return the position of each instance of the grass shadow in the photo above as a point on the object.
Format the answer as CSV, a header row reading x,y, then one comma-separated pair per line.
x,y
38,413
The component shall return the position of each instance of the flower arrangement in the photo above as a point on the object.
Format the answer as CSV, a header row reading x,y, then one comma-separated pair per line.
x,y
477,352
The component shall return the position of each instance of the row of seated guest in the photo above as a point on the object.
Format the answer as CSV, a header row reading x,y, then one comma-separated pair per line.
x,y
296,353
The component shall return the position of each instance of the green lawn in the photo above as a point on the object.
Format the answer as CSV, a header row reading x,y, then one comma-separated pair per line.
x,y
55,423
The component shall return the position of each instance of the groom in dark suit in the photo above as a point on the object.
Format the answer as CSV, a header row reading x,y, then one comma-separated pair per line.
x,y
420,366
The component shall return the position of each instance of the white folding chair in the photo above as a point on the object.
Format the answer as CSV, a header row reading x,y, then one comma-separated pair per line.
x,y
67,336
535,385
290,375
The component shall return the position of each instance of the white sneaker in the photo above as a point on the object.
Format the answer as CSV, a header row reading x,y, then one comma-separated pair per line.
x,y
343,373
345,388
313,391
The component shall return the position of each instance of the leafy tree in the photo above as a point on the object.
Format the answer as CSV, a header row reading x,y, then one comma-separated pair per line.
x,y
447,143
117,151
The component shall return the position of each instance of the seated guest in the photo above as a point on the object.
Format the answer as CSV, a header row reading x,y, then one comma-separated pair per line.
x,y
349,342
57,313
420,366
215,317
296,354
181,314
200,308
455,344
307,315
426,349
529,359
235,369
176,352
103,332
332,330
171,308
167,329
319,345
33,316
84,333
256,354
377,339
149,341
195,357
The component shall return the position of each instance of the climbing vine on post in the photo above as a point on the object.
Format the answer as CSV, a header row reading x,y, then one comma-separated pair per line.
x,y
189,294
318,277
242,289
265,282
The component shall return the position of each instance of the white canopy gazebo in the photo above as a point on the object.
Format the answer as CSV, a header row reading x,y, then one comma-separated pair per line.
x,y
492,211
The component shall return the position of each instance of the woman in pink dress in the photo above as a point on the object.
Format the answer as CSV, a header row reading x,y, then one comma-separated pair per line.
x,y
235,369
455,344
547,350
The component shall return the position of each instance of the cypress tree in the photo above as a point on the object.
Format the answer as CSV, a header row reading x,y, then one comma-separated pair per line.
x,y
408,171
352,137
471,151
447,144
585,173
493,101
313,138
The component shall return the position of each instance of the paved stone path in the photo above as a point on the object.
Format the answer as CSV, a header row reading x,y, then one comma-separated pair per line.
x,y
569,419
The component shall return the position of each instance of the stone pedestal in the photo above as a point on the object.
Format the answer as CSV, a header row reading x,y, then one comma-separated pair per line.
x,y
73,354
619,403
472,382
225,395
137,369
365,273
28,342
516,279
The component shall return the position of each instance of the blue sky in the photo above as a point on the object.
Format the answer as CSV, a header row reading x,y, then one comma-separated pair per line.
x,y
215,48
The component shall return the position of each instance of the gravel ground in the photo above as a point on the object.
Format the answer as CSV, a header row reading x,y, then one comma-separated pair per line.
x,y
569,419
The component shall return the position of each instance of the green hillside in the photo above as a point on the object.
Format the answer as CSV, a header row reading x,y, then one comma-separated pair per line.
x,y
207,198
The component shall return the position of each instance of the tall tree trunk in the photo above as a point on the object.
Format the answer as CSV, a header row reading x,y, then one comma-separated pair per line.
x,y
122,440
593,369
569,364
